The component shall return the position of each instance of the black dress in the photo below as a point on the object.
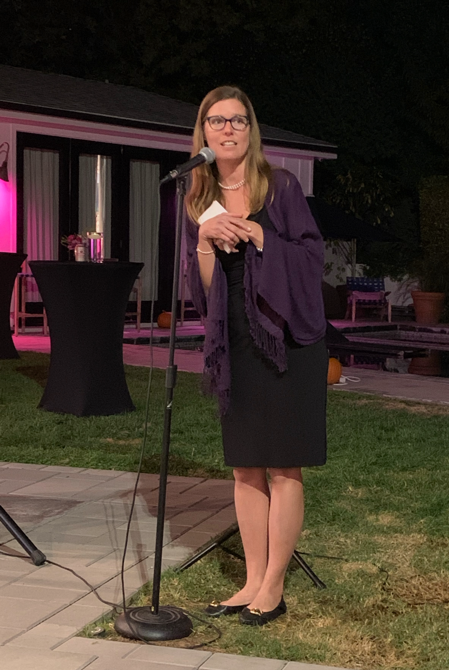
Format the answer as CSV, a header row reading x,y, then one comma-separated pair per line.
x,y
274,419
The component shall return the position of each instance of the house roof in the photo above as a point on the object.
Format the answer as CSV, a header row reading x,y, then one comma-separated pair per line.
x,y
70,97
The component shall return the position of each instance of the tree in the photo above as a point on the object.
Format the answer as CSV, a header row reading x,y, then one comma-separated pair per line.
x,y
370,77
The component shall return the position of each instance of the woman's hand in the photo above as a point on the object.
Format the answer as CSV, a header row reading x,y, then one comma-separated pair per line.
x,y
256,234
226,227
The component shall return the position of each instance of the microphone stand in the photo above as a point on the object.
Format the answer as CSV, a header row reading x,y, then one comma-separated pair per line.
x,y
155,623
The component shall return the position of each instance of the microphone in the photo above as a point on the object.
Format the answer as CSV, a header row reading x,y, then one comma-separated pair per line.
x,y
206,155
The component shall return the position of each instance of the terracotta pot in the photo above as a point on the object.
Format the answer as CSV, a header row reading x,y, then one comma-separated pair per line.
x,y
428,307
426,365
164,320
334,371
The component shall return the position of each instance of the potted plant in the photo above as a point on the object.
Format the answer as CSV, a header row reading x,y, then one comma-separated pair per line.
x,y
75,243
429,296
431,270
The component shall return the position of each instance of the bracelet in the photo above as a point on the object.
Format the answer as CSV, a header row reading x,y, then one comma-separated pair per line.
x,y
200,251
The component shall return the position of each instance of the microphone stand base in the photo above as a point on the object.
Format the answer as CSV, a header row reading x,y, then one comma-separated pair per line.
x,y
141,623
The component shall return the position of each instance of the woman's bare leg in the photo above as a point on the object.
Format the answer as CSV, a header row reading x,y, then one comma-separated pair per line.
x,y
284,528
252,501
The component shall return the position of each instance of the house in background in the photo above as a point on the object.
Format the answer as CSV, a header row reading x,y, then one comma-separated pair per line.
x,y
87,155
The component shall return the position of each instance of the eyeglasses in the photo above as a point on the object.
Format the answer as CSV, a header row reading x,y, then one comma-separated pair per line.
x,y
238,122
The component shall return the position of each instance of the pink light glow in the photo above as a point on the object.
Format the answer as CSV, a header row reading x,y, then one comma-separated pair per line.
x,y
7,233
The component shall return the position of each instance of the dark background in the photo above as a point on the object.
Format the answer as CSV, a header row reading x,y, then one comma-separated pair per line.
x,y
371,77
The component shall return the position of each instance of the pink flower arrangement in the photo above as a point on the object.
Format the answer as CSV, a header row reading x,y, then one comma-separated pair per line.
x,y
70,241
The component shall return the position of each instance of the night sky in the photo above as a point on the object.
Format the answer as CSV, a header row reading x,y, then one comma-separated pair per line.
x,y
371,77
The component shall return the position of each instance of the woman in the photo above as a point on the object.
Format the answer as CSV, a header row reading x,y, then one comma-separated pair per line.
x,y
255,270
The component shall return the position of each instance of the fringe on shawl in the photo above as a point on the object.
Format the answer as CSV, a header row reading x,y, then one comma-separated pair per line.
x,y
271,344
217,372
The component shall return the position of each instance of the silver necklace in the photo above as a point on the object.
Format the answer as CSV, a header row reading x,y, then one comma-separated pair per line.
x,y
234,187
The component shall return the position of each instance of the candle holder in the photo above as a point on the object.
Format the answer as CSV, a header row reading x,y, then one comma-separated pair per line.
x,y
81,253
96,252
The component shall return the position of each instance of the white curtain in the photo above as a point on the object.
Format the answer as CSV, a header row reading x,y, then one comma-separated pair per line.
x,y
94,198
144,213
41,207
103,223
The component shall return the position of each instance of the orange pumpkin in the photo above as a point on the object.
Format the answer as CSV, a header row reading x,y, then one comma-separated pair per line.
x,y
334,371
164,320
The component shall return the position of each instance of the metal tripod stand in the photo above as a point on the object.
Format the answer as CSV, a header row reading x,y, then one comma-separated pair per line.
x,y
34,553
219,542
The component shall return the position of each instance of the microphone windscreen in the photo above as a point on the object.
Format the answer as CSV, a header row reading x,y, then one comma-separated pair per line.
x,y
208,154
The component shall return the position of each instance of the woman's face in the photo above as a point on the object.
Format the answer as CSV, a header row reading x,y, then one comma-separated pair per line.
x,y
229,144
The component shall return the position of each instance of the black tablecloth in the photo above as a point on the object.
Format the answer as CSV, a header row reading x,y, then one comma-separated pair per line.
x,y
86,305
9,267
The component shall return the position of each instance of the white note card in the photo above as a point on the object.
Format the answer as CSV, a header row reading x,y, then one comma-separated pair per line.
x,y
214,209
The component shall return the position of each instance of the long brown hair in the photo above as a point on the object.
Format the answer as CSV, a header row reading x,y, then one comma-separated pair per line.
x,y
205,189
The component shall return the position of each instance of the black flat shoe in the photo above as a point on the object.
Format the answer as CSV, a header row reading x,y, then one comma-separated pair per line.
x,y
255,617
217,609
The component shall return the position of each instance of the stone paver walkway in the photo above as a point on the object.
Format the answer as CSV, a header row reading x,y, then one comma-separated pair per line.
x,y
394,385
78,517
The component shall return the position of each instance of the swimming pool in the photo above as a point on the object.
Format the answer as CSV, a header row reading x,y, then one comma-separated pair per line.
x,y
400,348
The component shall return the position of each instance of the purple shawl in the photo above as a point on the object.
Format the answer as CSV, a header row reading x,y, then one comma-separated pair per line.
x,y
282,286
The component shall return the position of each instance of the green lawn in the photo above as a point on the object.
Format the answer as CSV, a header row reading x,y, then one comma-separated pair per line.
x,y
30,435
376,529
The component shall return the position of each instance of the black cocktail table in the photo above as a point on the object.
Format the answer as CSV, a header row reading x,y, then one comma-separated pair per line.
x,y
86,305
9,267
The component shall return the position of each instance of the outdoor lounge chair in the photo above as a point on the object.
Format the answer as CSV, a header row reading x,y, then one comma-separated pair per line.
x,y
136,296
367,293
25,281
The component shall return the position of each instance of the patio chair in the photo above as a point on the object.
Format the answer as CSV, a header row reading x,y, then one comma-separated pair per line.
x,y
187,311
136,296
25,281
367,293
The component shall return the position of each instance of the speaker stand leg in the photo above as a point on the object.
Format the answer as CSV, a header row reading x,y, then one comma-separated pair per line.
x,y
36,556
232,530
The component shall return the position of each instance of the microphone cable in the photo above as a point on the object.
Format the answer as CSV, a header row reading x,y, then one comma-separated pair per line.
x,y
115,606
345,379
